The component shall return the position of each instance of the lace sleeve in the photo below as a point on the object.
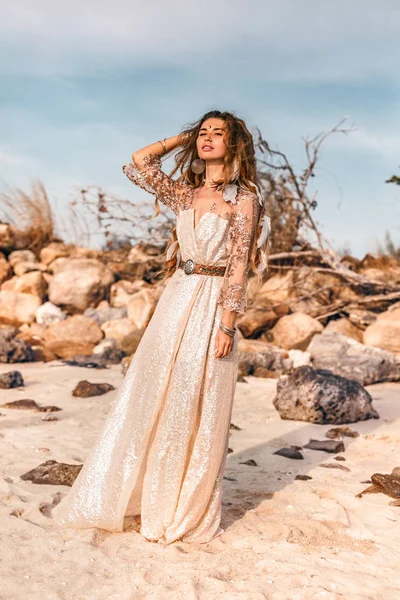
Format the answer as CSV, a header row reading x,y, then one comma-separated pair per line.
x,y
148,175
233,291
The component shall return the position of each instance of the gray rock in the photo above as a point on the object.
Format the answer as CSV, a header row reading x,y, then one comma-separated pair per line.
x,y
348,358
13,349
103,315
320,396
290,452
12,379
331,446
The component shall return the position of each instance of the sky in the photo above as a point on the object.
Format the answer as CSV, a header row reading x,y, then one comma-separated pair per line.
x,y
84,84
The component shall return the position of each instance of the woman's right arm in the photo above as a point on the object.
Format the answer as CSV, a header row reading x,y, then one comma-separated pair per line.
x,y
145,171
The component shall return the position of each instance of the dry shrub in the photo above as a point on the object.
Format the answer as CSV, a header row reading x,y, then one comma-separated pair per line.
x,y
30,213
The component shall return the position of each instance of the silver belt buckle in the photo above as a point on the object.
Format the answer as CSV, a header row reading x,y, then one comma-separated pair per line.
x,y
188,266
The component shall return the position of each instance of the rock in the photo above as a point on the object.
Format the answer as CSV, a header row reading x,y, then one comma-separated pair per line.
x,y
339,458
52,472
5,271
255,320
125,363
27,404
302,478
348,358
12,379
6,236
118,329
88,361
334,466
122,291
141,307
17,308
319,396
295,331
43,354
73,336
103,315
290,452
54,250
385,484
30,283
235,427
251,462
48,314
254,354
12,348
299,358
91,282
345,327
85,389
385,332
22,256
21,268
276,290
332,446
129,343
338,432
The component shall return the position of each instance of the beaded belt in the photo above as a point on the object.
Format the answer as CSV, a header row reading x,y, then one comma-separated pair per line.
x,y
189,267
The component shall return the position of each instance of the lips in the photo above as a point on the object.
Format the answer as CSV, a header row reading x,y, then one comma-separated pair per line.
x,y
207,147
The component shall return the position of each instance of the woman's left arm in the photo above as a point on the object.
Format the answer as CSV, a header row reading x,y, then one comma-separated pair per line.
x,y
233,291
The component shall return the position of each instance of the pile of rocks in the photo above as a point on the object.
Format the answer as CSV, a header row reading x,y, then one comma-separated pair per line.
x,y
71,302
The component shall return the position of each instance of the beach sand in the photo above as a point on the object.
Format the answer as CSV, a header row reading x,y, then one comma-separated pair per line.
x,y
283,539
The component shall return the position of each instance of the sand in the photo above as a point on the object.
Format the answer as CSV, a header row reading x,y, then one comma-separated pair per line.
x,y
284,539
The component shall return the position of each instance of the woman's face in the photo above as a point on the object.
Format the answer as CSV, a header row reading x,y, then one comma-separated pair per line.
x,y
210,140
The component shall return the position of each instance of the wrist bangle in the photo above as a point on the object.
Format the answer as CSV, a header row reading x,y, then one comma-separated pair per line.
x,y
164,147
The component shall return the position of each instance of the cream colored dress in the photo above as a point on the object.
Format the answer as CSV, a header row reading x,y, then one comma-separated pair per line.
x,y
162,449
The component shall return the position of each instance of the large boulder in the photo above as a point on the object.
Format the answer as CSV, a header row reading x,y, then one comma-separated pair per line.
x,y
76,335
348,358
256,357
54,250
141,307
29,283
17,308
385,331
295,331
122,291
79,283
12,348
22,256
5,270
319,396
345,327
118,329
257,319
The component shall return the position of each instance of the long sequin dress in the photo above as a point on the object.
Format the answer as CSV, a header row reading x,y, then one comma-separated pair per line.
x,y
162,449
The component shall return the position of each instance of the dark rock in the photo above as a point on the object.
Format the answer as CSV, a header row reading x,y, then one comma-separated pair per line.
x,y
85,389
12,348
230,450
303,477
384,484
12,379
52,472
27,404
334,466
90,361
250,462
332,446
347,357
290,452
230,478
319,396
337,432
233,426
342,458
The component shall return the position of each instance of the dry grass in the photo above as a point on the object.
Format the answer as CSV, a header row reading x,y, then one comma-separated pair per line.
x,y
30,213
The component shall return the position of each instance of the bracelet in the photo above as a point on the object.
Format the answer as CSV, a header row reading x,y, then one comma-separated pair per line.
x,y
227,330
164,147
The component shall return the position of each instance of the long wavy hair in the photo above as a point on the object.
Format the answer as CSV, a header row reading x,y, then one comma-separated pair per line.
x,y
239,167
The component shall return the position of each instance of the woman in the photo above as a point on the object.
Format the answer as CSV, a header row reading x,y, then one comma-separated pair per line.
x,y
162,450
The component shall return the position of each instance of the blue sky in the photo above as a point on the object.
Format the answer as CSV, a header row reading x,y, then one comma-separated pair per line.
x,y
85,84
